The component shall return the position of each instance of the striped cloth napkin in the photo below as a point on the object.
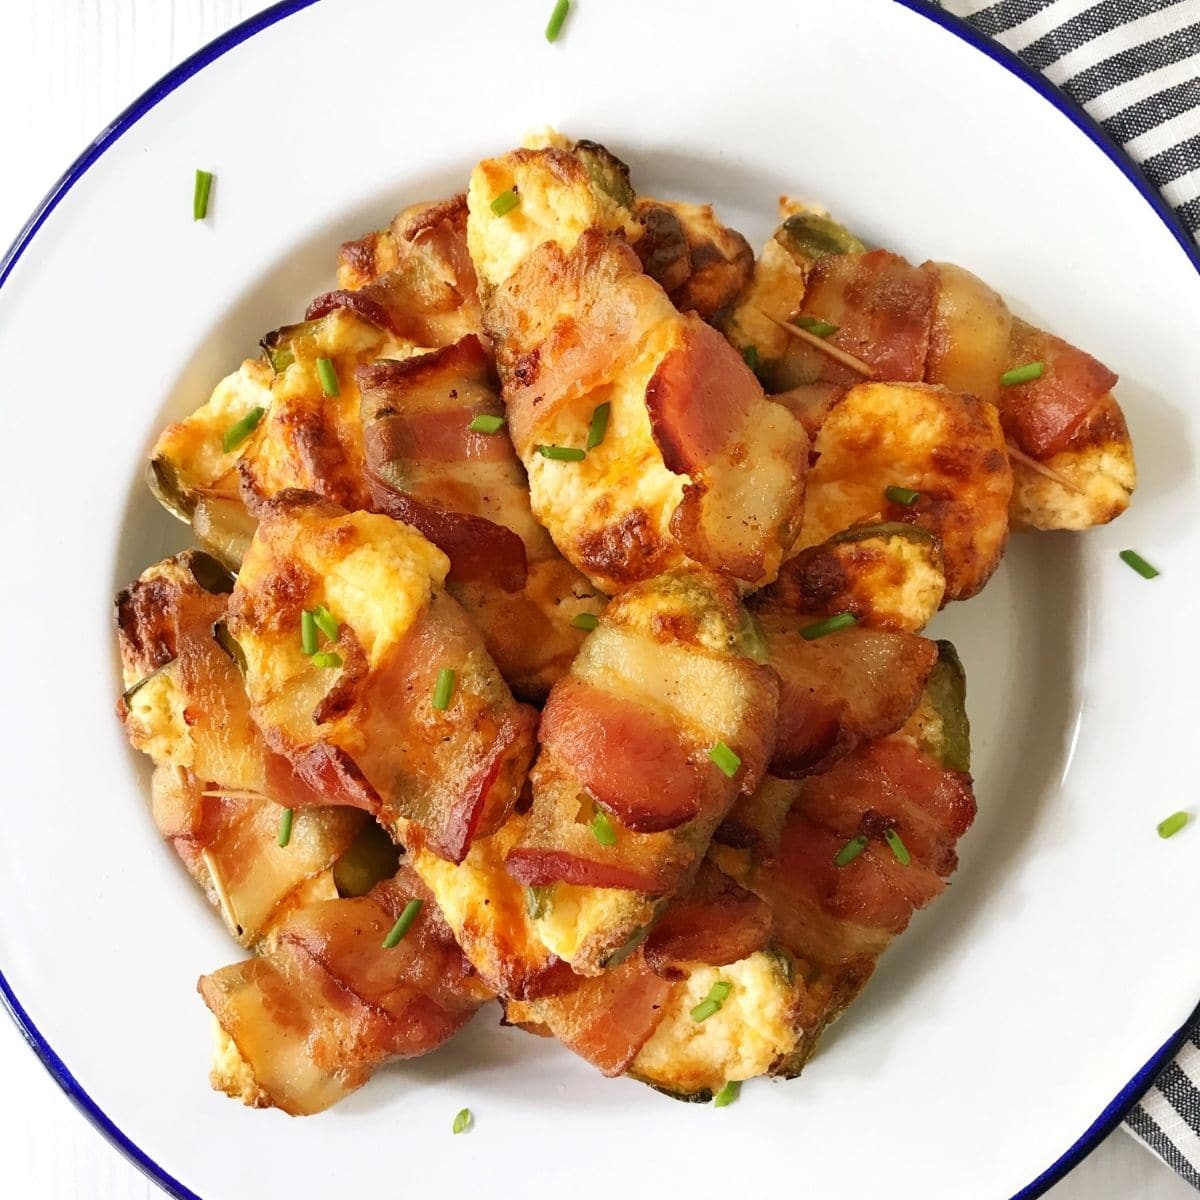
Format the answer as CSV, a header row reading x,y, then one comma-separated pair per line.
x,y
1134,67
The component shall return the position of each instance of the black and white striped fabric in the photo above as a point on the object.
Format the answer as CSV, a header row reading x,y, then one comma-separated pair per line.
x,y
1134,67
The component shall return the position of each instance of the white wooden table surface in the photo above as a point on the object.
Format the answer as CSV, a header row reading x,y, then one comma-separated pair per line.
x,y
68,67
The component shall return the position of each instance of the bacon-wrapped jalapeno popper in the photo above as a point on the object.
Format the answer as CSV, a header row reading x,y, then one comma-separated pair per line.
x,y
346,986
937,323
661,723
369,677
648,442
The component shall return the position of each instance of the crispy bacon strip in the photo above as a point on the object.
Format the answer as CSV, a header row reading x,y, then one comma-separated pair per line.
x,y
883,309
715,922
416,420
607,1019
602,736
840,690
702,401
1070,447
940,324
310,1021
480,551
1044,416
576,324
414,279
838,919
230,846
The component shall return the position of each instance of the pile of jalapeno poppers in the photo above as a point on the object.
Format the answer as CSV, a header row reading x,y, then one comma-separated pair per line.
x,y
554,632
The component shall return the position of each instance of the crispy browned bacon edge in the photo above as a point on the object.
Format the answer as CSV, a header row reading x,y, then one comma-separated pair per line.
x,y
309,1021
417,416
940,324
425,298
218,791
467,492
701,264
414,279
366,734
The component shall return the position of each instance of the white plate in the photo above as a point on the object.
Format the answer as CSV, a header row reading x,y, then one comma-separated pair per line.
x,y
998,1032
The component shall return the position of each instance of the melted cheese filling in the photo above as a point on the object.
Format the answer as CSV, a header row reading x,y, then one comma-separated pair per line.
x,y
625,473
751,1031
576,917
157,722
231,1073
196,445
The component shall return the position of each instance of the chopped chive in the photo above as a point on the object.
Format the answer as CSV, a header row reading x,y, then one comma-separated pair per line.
x,y
720,991
726,760
200,193
832,624
505,203
562,453
717,995
443,690
326,622
850,851
239,431
586,621
536,901
1133,559
599,426
327,659
308,632
902,495
1173,824
557,17
605,834
285,827
487,423
816,326
1022,374
899,849
462,1121
406,918
728,1094
327,373
750,357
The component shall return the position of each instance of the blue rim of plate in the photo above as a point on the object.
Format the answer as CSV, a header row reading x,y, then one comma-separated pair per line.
x,y
1133,1091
